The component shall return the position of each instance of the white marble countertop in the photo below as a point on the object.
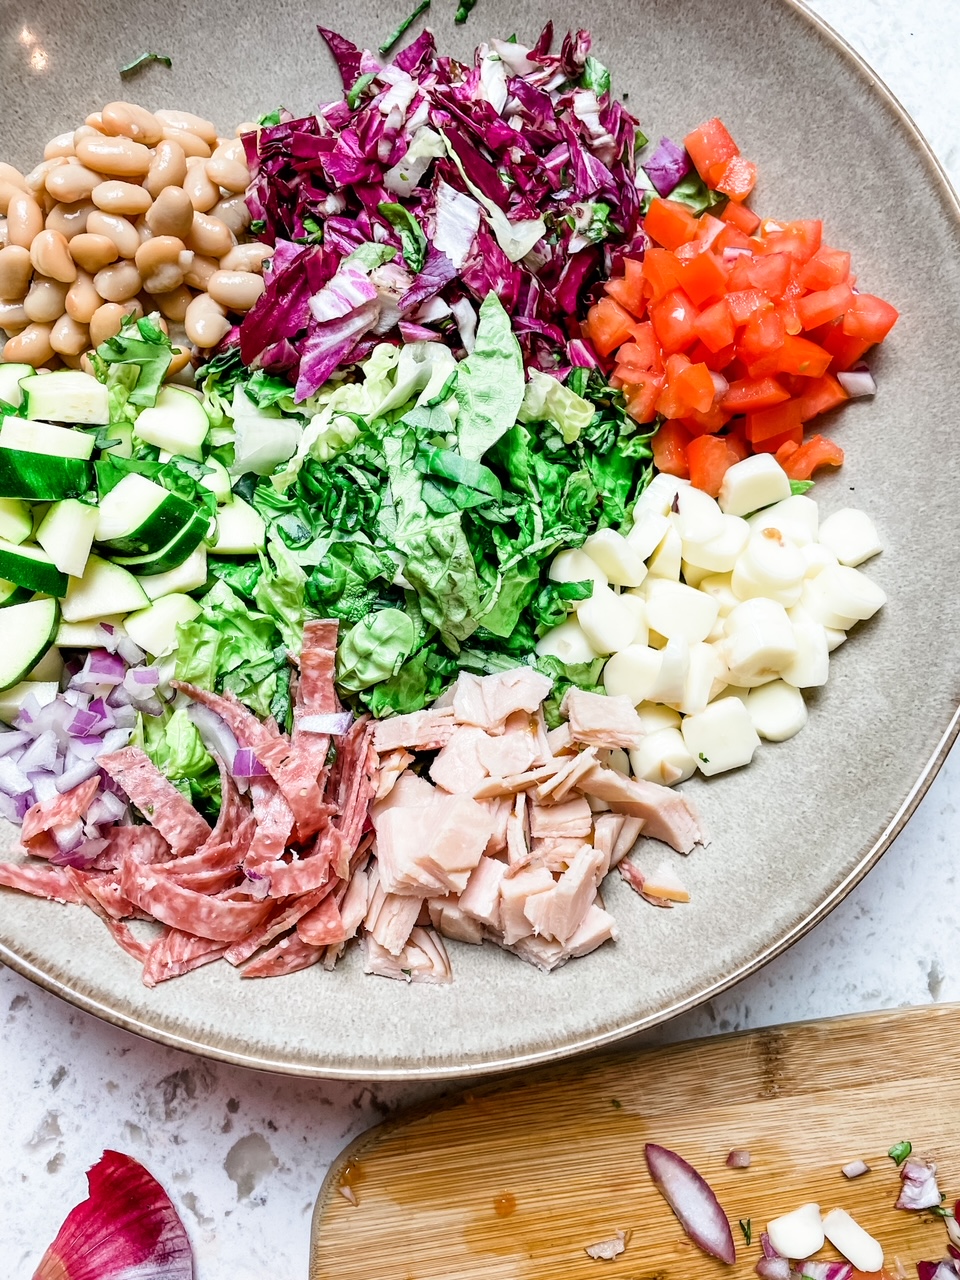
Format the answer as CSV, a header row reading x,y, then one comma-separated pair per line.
x,y
243,1154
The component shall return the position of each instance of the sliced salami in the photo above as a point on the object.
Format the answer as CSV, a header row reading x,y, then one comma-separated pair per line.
x,y
41,881
283,916
219,919
175,953
58,811
286,956
157,798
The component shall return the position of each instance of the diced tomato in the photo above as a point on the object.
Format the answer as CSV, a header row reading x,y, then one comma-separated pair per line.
x,y
661,273
670,450
715,327
826,268
762,424
739,216
673,320
773,444
703,279
732,237
737,440
695,385
786,451
820,395
846,351
744,302
708,422
737,179
710,147
818,451
762,335
797,355
708,460
700,353
869,317
644,351
610,325
788,313
629,298
641,397
769,274
824,305
800,240
672,402
670,223
751,394
709,228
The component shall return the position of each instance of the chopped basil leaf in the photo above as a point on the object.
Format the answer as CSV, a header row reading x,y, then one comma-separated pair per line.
x,y
132,67
747,1229
404,26
899,1152
258,226
695,194
800,486
942,1211
270,119
464,11
706,760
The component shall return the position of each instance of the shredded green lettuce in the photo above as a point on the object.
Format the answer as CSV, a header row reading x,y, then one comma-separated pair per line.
x,y
413,241
176,748
490,387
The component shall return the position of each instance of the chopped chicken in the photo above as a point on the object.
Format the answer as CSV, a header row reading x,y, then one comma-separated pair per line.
x,y
392,765
518,886
481,898
559,912
665,883
666,814
598,720
488,701
418,731
514,751
459,766
571,818
423,959
449,918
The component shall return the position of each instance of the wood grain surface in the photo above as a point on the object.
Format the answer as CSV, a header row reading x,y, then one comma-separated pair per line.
x,y
511,1181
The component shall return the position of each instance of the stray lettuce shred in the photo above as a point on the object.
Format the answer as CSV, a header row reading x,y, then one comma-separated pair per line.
x,y
404,26
176,748
143,60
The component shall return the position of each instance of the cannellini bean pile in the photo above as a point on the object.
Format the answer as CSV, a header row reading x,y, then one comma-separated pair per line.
x,y
134,211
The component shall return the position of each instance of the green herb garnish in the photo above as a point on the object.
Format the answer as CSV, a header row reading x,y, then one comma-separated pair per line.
x,y
465,9
899,1152
747,1229
404,26
131,68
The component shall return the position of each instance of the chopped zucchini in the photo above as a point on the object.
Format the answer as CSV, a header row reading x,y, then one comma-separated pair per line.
x,y
66,534
12,699
66,396
41,476
29,629
87,634
185,577
154,629
217,480
43,437
139,517
175,552
16,522
177,422
10,375
31,567
240,530
11,593
122,433
104,589
50,666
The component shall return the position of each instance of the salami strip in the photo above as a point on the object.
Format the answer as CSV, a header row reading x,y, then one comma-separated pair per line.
x,y
41,881
58,811
323,925
175,953
293,771
274,820
157,799
286,956
219,919
124,937
143,844
282,918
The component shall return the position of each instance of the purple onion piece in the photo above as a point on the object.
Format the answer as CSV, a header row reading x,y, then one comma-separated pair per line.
x,y
693,1201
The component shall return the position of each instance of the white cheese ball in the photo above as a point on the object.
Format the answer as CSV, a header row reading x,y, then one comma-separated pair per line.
x,y
633,671
680,612
755,482
663,757
851,535
721,737
777,710
576,566
620,562
566,642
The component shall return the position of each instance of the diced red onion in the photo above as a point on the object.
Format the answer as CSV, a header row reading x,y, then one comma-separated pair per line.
x,y
720,385
124,717
855,1169
114,739
110,635
41,754
773,1269
731,255
119,697
738,1159
246,764
132,654
768,1250
857,382
84,722
13,781
693,1201
106,807
12,740
9,808
216,735
83,856
336,724
78,773
68,837
43,785
146,675
826,1270
919,1179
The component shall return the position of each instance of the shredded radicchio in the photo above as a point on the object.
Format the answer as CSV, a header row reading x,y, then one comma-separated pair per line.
x,y
522,179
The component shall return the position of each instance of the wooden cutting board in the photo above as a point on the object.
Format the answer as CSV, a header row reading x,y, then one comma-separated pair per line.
x,y
512,1180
